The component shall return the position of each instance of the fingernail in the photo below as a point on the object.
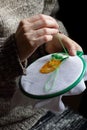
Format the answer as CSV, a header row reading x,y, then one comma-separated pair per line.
x,y
72,52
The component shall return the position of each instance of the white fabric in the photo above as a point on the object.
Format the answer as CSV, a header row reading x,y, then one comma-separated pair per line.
x,y
34,82
67,77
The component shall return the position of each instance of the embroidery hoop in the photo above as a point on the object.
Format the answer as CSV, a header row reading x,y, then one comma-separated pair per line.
x,y
58,93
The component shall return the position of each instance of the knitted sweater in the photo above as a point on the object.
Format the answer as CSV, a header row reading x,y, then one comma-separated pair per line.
x,y
13,114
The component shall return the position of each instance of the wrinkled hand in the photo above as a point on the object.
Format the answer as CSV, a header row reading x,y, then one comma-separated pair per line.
x,y
55,46
33,32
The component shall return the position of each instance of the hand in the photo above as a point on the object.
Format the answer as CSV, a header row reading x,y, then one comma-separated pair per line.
x,y
33,32
55,46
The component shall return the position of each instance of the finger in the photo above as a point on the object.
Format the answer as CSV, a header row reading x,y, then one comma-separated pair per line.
x,y
71,45
38,17
44,23
42,20
33,18
74,49
47,27
39,41
44,31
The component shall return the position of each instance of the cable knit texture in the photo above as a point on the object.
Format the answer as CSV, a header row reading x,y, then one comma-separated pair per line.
x,y
11,12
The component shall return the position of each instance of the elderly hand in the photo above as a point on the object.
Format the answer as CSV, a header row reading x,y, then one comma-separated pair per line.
x,y
33,32
55,46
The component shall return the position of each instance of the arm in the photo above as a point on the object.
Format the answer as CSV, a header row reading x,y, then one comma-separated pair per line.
x,y
10,64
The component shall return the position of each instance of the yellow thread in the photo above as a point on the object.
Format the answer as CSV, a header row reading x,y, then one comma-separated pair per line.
x,y
50,66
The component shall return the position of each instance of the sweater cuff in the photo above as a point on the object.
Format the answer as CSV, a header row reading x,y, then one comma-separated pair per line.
x,y
10,64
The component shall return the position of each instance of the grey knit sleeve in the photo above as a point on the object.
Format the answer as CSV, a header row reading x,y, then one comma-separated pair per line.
x,y
10,65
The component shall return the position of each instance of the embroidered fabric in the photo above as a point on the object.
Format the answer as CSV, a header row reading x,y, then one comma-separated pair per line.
x,y
32,82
